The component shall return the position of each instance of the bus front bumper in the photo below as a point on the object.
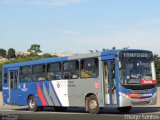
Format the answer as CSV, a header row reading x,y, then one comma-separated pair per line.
x,y
125,100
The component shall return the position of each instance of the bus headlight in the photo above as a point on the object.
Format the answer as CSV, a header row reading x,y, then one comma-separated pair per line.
x,y
124,95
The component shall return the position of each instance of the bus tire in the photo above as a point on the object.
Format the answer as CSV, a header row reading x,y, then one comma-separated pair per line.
x,y
60,109
124,109
32,104
92,104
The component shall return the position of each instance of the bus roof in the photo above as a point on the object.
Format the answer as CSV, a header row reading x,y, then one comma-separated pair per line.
x,y
114,52
47,60
78,56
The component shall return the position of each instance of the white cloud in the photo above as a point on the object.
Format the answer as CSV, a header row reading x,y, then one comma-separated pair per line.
x,y
44,2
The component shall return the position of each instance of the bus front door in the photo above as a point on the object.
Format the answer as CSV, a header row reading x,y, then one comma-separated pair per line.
x,y
13,86
109,82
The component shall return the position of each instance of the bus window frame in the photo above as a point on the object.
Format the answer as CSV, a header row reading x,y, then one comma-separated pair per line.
x,y
44,73
28,75
71,70
49,72
5,76
90,68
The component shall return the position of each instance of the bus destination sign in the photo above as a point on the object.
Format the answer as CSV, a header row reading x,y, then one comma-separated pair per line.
x,y
145,55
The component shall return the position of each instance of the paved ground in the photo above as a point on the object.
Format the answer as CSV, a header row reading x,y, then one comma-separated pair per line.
x,y
23,113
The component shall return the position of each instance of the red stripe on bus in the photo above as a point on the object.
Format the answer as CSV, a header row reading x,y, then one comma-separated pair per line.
x,y
148,82
41,96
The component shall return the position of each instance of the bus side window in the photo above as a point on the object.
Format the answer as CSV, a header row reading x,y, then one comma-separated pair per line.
x,y
89,68
25,74
71,70
39,72
5,76
54,71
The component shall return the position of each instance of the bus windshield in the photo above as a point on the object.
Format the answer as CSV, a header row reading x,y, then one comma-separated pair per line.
x,y
132,72
136,68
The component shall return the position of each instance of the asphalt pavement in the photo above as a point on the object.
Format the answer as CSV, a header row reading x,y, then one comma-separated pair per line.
x,y
8,112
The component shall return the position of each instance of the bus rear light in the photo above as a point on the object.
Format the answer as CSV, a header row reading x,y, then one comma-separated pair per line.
x,y
148,82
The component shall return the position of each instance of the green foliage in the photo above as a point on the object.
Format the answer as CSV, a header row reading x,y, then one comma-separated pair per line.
x,y
3,52
11,53
47,55
157,66
34,49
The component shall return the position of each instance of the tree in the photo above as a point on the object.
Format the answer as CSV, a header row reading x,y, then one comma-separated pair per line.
x,y
3,52
113,48
34,49
11,53
47,55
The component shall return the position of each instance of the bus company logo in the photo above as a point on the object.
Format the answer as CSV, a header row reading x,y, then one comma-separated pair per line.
x,y
145,95
24,87
58,85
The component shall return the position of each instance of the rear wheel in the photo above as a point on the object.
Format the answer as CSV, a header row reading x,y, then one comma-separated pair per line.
x,y
92,104
60,109
124,109
32,105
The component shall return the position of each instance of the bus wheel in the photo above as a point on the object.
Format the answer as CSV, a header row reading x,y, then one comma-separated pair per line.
x,y
60,109
32,105
124,109
93,105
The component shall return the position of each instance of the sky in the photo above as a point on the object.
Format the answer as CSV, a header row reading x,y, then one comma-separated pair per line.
x,y
80,25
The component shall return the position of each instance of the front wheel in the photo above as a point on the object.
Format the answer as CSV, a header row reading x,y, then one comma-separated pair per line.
x,y
124,109
92,104
32,105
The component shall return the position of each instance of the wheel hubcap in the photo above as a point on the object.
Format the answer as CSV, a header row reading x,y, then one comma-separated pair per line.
x,y
93,104
32,103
